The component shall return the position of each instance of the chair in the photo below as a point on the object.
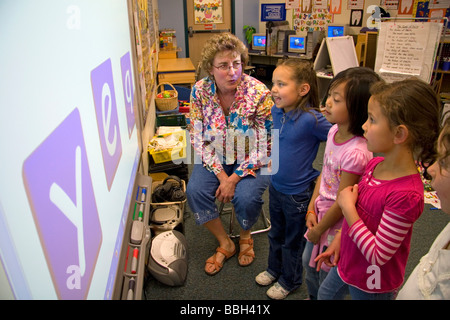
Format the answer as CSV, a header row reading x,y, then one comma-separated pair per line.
x,y
249,70
184,93
223,210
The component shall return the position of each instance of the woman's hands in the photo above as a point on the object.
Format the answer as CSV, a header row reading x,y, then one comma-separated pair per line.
x,y
225,191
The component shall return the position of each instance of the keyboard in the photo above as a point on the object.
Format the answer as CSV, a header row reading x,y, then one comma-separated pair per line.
x,y
289,54
256,51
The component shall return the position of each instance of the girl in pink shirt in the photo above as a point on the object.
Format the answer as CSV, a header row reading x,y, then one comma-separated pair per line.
x,y
344,161
372,250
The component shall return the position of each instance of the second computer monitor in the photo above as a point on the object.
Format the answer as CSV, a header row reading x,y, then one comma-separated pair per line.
x,y
297,44
259,41
336,30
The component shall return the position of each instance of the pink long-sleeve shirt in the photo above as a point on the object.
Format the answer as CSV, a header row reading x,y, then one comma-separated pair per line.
x,y
375,249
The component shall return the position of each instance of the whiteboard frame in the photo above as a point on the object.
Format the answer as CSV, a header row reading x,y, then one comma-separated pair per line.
x,y
340,51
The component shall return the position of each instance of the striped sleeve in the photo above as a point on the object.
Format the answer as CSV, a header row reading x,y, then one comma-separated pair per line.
x,y
379,248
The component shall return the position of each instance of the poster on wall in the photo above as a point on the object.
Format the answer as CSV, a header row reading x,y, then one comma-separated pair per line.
x,y
273,11
291,4
389,4
145,43
335,6
439,4
355,4
356,18
306,6
422,9
208,11
317,20
406,7
432,9
320,4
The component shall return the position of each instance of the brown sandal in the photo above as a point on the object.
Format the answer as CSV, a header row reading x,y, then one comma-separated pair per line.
x,y
218,265
246,252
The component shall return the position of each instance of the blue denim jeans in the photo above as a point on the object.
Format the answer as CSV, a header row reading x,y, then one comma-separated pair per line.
x,y
333,288
313,278
247,198
286,237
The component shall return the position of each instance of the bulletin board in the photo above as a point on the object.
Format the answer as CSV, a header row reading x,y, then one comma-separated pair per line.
x,y
407,49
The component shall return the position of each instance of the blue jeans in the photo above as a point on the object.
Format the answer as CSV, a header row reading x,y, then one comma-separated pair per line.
x,y
333,288
247,198
286,237
313,278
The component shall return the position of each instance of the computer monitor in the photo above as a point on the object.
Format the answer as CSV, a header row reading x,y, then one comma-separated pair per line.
x,y
336,30
297,44
259,41
283,39
70,147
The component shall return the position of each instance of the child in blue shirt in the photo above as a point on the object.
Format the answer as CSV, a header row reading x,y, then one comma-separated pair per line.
x,y
301,128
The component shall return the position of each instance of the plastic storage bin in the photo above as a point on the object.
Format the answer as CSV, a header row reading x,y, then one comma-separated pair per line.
x,y
172,120
169,154
181,204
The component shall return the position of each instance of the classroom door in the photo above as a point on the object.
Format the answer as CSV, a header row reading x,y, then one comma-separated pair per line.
x,y
204,21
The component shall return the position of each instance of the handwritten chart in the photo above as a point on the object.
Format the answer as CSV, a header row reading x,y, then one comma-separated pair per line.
x,y
407,49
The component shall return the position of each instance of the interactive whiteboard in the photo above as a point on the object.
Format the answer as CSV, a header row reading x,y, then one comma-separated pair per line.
x,y
69,146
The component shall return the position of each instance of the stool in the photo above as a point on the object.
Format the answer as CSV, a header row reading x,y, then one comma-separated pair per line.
x,y
266,221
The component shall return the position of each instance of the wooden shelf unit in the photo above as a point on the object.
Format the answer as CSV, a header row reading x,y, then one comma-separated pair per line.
x,y
366,49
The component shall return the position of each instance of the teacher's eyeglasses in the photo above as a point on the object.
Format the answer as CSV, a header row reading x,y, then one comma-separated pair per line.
x,y
225,67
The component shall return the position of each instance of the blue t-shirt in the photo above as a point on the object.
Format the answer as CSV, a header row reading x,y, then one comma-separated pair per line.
x,y
300,134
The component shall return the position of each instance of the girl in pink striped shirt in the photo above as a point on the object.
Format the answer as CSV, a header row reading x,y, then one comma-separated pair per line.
x,y
372,250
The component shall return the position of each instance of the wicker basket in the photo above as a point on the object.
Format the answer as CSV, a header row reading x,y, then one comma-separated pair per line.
x,y
165,104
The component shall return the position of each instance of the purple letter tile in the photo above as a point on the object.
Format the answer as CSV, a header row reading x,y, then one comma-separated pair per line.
x,y
127,81
107,119
58,183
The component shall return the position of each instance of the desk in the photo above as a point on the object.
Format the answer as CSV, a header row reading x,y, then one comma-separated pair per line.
x,y
265,64
256,58
176,71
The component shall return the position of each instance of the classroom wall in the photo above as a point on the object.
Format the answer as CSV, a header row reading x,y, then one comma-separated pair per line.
x,y
171,16
247,12
344,17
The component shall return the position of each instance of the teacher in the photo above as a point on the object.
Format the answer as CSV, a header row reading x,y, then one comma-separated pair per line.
x,y
230,123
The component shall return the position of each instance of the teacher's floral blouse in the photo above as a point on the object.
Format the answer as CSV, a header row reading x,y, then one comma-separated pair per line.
x,y
243,136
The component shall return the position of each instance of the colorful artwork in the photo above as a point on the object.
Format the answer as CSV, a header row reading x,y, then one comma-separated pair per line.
x,y
292,4
208,11
317,20
335,6
405,7
306,6
422,9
